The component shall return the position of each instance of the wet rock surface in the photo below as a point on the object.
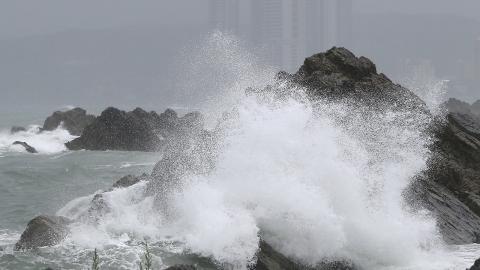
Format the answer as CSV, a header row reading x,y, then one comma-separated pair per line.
x,y
28,148
475,266
74,121
43,231
339,74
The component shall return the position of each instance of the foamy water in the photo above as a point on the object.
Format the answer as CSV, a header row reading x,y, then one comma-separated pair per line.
x,y
46,142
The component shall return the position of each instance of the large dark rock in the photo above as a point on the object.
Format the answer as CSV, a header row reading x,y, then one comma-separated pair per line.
x,y
475,266
454,166
115,129
137,130
456,159
339,74
29,148
43,231
74,121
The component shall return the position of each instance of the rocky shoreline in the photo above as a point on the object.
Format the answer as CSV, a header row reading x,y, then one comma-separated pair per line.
x,y
449,187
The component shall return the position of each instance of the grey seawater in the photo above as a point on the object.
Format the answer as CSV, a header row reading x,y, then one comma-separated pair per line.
x,y
31,185
44,183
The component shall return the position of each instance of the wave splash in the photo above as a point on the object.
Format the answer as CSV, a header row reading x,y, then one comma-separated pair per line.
x,y
317,180
45,142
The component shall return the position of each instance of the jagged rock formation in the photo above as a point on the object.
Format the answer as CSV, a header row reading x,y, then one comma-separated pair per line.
x,y
137,130
339,74
28,148
43,231
74,121
475,266
452,179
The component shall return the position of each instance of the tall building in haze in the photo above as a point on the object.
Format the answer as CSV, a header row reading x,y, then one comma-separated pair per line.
x,y
477,64
224,15
338,23
292,30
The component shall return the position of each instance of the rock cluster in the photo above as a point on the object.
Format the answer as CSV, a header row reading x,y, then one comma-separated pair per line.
x,y
137,130
74,121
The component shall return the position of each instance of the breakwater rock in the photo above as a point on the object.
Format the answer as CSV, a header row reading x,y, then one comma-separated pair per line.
x,y
74,120
137,130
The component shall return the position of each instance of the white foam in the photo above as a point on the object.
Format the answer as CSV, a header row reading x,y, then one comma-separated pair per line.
x,y
46,142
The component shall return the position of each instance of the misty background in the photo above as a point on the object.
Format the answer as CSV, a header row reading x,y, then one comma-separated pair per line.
x,y
99,53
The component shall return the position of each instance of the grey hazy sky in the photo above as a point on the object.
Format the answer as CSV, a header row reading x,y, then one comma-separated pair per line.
x,y
33,17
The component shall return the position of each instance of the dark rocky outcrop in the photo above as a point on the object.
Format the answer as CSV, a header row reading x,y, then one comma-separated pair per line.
x,y
475,266
16,129
452,179
29,148
181,267
339,74
43,231
115,129
137,130
74,121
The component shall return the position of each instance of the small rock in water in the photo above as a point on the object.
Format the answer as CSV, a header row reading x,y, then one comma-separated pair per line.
x,y
181,267
16,129
29,148
43,231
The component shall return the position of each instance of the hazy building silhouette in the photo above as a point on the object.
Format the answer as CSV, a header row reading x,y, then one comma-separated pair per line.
x,y
292,30
477,64
338,23
224,15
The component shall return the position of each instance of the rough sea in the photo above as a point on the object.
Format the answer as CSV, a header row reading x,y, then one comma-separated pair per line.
x,y
287,172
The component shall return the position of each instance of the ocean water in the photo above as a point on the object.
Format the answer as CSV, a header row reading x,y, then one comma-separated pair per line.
x,y
317,181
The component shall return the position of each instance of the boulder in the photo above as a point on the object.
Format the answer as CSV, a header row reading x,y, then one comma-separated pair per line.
x,y
29,148
43,231
74,121
115,129
16,129
475,266
339,75
126,181
137,130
